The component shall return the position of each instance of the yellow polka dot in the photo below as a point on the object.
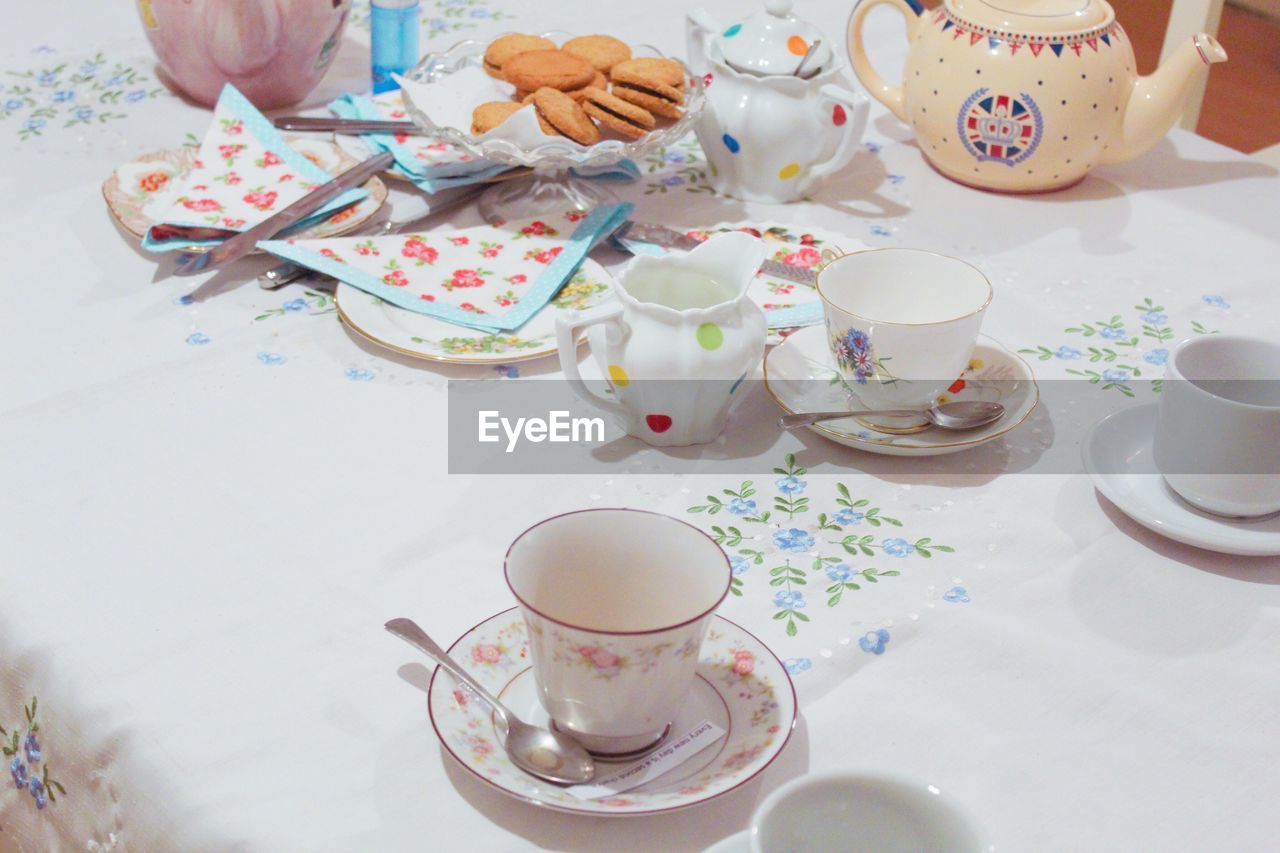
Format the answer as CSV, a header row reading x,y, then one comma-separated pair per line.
x,y
797,45
789,171
619,376
975,364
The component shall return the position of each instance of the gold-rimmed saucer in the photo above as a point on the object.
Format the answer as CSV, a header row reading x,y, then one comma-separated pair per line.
x,y
139,192
801,376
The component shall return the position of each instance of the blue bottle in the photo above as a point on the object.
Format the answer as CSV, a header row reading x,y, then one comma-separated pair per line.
x,y
394,40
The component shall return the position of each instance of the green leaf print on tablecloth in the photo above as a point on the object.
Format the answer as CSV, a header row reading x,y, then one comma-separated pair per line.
x,y
679,166
71,93
439,17
797,552
1119,355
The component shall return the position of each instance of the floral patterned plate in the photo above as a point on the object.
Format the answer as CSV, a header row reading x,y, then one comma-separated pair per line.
x,y
741,687
801,376
426,337
138,193
795,246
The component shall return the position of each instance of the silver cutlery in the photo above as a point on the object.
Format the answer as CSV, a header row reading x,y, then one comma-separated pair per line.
x,y
541,752
965,414
661,235
246,241
352,126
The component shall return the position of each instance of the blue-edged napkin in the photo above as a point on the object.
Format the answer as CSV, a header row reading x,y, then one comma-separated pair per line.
x,y
243,173
484,277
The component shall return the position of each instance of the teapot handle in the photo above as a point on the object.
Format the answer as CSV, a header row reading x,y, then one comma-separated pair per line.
x,y
854,108
569,330
890,96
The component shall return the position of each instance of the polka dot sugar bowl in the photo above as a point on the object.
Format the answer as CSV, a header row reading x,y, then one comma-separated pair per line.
x,y
1028,95
677,342
777,118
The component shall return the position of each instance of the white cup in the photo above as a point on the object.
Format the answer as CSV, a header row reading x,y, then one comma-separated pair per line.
x,y
901,323
617,602
1217,439
852,813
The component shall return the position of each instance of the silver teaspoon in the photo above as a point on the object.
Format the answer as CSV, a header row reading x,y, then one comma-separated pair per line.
x,y
965,414
541,752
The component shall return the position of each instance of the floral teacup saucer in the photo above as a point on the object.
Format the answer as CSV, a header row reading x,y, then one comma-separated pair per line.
x,y
741,687
801,375
140,192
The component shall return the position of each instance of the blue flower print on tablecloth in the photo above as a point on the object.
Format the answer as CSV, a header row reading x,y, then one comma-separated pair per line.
x,y
741,506
789,598
872,146
791,485
793,550
27,765
295,305
839,572
359,374
1119,356
874,642
198,339
897,547
957,595
439,17
1215,300
271,359
184,299
896,179
793,539
70,94
847,517
797,665
681,166
880,231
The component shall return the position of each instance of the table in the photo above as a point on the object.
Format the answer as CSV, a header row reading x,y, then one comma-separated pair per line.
x,y
201,541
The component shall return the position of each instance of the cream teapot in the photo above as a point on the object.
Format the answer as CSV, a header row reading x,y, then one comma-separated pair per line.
x,y
1028,95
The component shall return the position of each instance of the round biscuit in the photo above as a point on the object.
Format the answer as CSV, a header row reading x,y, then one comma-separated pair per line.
x,y
565,116
552,68
603,52
504,47
661,70
490,114
616,114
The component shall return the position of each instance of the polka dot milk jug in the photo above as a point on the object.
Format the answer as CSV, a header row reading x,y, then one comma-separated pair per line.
x,y
677,342
776,122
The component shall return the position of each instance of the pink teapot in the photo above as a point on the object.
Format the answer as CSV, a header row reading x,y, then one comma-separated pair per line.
x,y
274,51
1028,95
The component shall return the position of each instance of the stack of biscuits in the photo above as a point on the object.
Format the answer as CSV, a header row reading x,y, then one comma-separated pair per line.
x,y
586,80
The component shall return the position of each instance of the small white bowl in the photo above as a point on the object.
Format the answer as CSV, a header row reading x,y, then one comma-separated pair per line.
x,y
862,812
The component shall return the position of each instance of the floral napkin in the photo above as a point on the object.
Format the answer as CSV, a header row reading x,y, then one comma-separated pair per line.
x,y
244,173
491,278
429,163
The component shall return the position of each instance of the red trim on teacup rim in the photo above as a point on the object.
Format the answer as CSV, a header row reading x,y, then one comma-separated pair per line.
x,y
728,582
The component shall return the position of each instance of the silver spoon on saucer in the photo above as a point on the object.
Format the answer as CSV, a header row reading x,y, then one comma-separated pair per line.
x,y
541,752
965,414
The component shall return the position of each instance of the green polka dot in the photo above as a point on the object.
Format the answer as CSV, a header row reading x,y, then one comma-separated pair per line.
x,y
710,336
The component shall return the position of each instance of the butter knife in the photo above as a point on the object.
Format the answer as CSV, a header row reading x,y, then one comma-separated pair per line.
x,y
245,242
661,235
353,126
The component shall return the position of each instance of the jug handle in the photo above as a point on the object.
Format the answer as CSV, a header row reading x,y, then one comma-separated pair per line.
x,y
569,330
890,96
829,97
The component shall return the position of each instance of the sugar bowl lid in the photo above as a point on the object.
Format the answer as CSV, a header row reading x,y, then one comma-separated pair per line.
x,y
773,41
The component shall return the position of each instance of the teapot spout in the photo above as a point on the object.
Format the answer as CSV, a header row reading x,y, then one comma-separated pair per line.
x,y
1157,100
699,27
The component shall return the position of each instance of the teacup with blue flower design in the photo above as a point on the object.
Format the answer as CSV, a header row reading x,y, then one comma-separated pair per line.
x,y
901,323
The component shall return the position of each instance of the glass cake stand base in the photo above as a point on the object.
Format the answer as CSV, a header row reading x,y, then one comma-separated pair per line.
x,y
542,193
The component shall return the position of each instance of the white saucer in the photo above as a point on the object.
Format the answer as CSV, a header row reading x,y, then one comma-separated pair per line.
x,y
1117,455
801,375
757,710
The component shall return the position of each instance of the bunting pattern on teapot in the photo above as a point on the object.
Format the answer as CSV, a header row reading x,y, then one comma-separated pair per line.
x,y
1107,35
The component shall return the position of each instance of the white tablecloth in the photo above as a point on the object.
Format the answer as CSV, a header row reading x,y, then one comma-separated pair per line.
x,y
200,545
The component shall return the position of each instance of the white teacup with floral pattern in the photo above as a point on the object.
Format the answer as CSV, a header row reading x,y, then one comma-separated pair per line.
x,y
901,323
617,602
